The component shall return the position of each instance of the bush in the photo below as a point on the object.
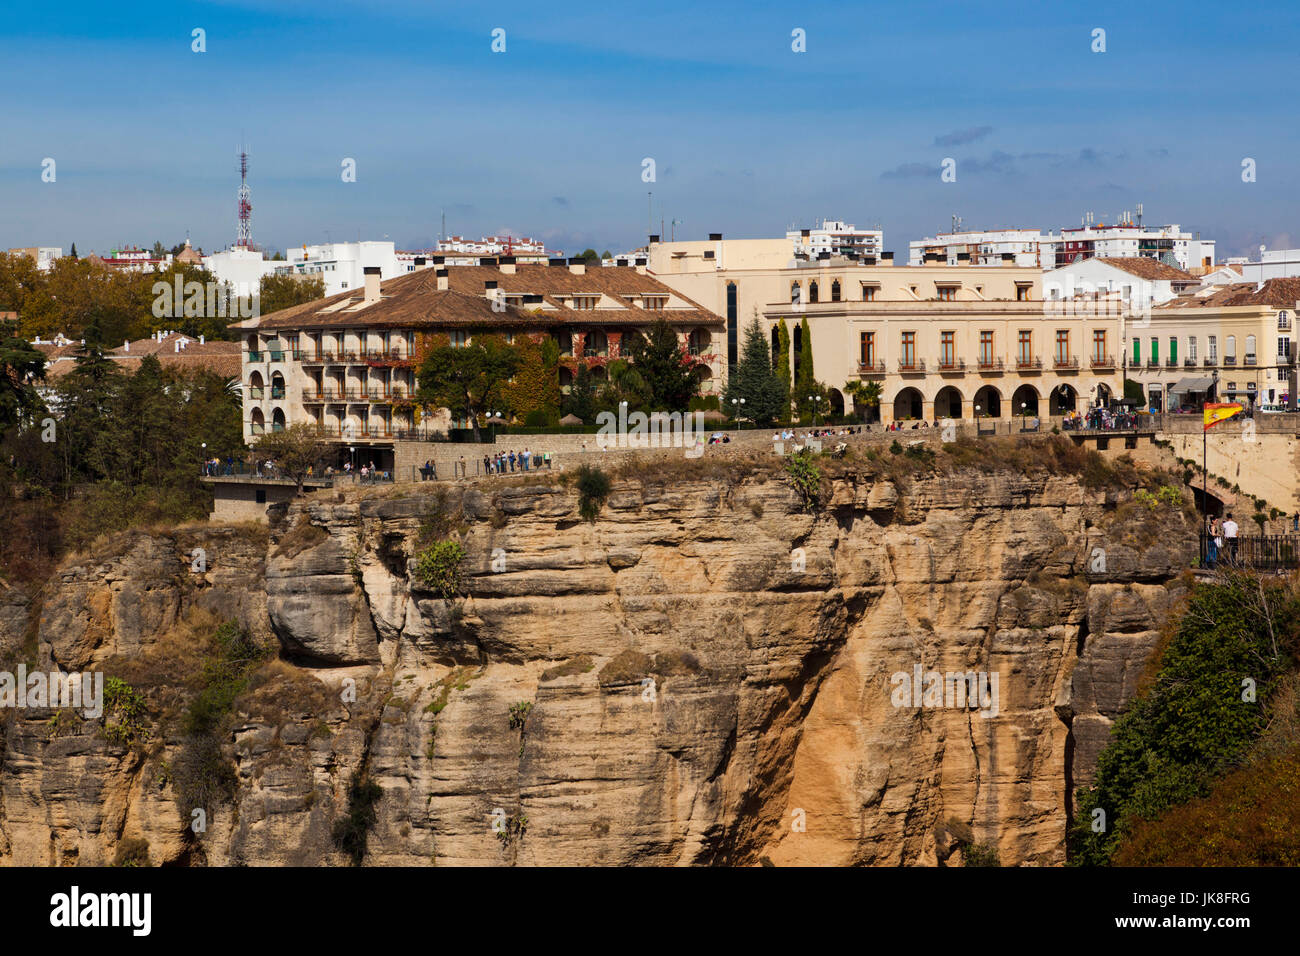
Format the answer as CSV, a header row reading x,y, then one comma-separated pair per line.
x,y
127,707
593,490
439,568
806,478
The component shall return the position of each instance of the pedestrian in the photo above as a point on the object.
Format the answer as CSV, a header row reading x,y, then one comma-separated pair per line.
x,y
1211,544
487,465
1230,530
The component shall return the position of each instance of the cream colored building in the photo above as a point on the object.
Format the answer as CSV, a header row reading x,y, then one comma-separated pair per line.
x,y
1243,333
944,341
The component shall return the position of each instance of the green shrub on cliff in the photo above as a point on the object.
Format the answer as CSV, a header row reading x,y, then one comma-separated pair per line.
x,y
439,568
1211,699
806,478
593,490
351,832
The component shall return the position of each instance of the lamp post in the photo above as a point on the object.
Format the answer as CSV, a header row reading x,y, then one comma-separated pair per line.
x,y
204,446
737,406
814,399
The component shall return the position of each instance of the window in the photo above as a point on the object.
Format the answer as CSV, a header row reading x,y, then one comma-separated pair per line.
x,y
1062,346
869,292
907,358
586,303
1283,349
1099,345
1230,347
947,349
1284,321
986,349
1173,350
946,293
1191,348
459,338
835,291
1212,352
794,292
1022,292
1026,344
812,292
868,348
1250,350
1155,349
654,303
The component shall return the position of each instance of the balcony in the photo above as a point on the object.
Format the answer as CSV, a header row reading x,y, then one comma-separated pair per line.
x,y
990,364
276,356
1153,363
1103,361
1171,362
952,366
595,353
277,391
1211,361
1230,361
306,358
1067,363
916,367
871,368
254,355
256,392
1026,364
1252,360
1189,362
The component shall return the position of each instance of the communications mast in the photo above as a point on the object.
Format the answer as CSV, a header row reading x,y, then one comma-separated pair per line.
x,y
245,236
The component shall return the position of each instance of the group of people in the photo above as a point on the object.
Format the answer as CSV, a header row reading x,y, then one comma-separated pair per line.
x,y
1102,419
1217,535
789,434
504,462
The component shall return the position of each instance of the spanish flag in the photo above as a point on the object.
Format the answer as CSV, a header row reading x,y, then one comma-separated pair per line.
x,y
1217,413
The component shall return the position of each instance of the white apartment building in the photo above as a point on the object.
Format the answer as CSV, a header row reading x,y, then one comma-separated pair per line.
x,y
1029,248
240,268
341,264
836,238
525,249
1048,250
1272,264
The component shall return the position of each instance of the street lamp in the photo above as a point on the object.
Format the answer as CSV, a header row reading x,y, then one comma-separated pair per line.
x,y
814,399
352,453
735,412
204,446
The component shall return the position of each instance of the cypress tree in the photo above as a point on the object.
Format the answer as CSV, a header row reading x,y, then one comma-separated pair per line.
x,y
806,377
753,380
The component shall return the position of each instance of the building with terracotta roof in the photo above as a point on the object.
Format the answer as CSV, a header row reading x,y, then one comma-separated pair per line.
x,y
1140,282
1232,343
348,362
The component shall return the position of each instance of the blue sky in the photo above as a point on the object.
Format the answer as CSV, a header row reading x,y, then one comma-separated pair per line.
x,y
547,138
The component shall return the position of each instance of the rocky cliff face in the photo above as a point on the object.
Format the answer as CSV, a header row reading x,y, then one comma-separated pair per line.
x,y
705,675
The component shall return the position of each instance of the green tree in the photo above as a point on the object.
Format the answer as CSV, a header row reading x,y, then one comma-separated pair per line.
x,y
590,256
783,363
294,450
865,395
582,398
666,370
1133,392
21,367
805,378
283,291
753,380
467,380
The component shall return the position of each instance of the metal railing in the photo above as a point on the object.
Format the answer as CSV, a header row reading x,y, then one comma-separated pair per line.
x,y
912,368
1065,361
1103,361
952,365
871,368
1260,552
1029,364
991,364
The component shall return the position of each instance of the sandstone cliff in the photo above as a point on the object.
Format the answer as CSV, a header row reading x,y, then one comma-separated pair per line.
x,y
701,676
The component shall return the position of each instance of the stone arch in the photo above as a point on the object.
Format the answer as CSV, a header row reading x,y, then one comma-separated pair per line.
x,y
258,421
836,400
909,403
1063,399
948,403
989,402
277,420
1027,396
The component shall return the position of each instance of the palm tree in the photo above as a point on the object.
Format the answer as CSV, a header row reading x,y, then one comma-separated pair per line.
x,y
866,395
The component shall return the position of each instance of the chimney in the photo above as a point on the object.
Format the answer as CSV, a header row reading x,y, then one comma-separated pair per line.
x,y
654,238
715,237
557,262
507,265
200,340
126,345
578,266
886,258
442,278
372,284
419,262
490,285
641,265
176,346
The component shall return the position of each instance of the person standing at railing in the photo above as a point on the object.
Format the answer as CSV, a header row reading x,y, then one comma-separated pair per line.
x,y
1212,543
1230,533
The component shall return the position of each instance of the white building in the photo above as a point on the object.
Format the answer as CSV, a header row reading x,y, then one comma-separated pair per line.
x,y
525,249
838,239
240,268
1139,282
1048,250
1027,247
1271,264
341,264
44,256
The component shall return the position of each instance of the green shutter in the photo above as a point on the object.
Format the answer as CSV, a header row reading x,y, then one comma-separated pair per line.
x,y
1173,351
1137,351
1155,349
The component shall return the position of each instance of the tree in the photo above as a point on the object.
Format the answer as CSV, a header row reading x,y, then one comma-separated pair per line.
x,y
466,380
536,386
865,395
753,380
21,367
281,292
74,250
590,256
805,378
581,400
1133,393
606,255
295,450
783,359
666,370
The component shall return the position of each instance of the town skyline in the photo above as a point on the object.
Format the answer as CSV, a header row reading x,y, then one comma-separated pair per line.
x,y
749,137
